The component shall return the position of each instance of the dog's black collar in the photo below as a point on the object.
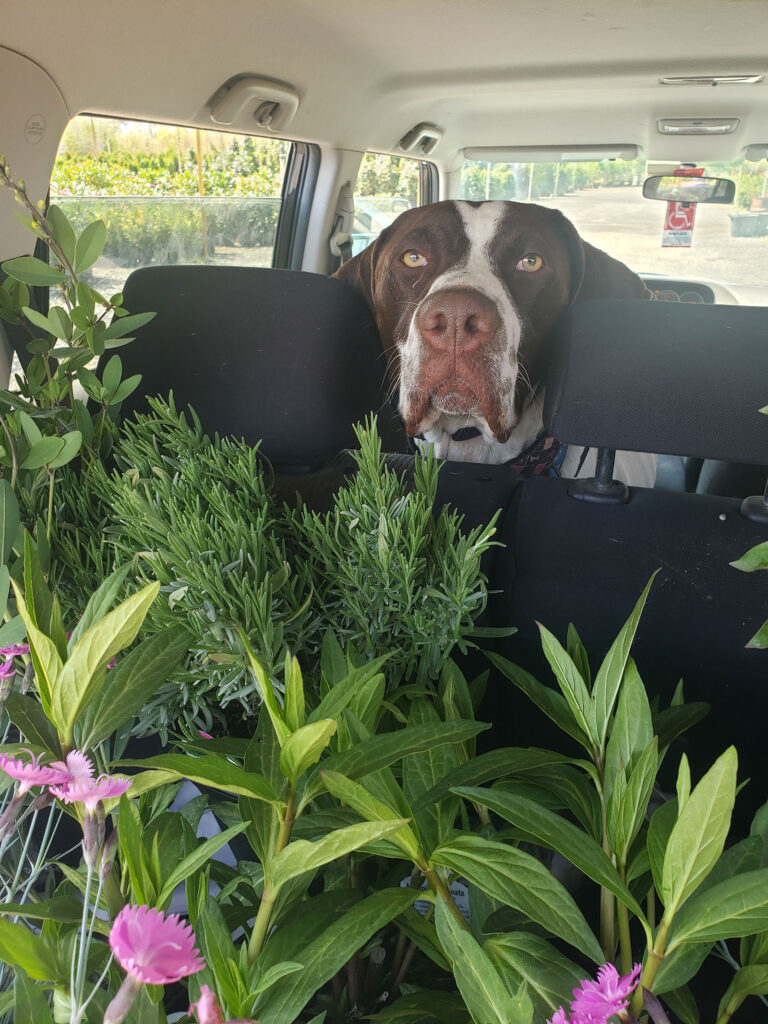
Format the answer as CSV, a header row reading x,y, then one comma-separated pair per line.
x,y
465,434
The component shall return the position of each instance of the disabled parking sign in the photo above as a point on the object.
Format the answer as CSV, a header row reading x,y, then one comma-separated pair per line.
x,y
678,222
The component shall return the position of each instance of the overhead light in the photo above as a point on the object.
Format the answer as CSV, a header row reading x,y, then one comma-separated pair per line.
x,y
698,125
712,79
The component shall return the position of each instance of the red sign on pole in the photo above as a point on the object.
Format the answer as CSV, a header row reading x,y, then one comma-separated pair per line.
x,y
678,223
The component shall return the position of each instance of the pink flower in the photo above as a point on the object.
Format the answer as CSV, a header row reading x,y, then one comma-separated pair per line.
x,y
207,1007
78,767
558,1017
208,1010
14,650
30,773
91,792
205,735
154,949
596,1002
599,1000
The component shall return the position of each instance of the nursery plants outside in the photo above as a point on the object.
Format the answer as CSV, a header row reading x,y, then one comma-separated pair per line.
x,y
181,649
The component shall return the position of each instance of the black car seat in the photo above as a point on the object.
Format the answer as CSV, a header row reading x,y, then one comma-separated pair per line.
x,y
678,379
289,358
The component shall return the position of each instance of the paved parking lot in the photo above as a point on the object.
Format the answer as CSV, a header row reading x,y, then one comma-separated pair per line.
x,y
623,224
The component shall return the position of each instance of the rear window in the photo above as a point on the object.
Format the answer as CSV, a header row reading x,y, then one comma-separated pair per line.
x,y
170,194
386,186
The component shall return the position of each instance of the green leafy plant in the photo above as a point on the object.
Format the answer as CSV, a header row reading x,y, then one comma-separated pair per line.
x,y
384,570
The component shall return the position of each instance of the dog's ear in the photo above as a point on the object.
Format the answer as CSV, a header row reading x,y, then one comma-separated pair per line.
x,y
358,273
607,278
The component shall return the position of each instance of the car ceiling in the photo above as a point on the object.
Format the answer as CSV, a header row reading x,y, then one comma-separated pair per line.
x,y
488,73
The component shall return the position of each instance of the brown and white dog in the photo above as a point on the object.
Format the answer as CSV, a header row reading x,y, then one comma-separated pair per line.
x,y
464,295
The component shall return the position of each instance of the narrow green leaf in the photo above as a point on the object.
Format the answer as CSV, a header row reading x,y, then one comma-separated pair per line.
x,y
83,673
125,388
372,809
525,958
552,703
90,245
67,909
45,657
62,230
755,558
30,429
273,974
626,813
215,772
729,910
573,687
751,980
121,326
659,830
42,453
10,520
558,834
27,714
30,270
29,1000
481,988
301,856
113,371
305,747
101,601
421,772
294,694
385,749
611,672
327,954
73,442
494,764
699,834
266,691
21,947
518,880
196,859
632,728
132,683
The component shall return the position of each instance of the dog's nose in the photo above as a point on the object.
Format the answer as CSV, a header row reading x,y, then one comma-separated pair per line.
x,y
457,318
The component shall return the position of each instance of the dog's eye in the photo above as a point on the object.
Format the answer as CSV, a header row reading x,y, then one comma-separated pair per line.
x,y
530,262
413,258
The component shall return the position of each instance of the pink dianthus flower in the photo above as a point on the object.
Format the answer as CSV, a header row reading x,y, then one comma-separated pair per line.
x,y
208,1011
30,773
91,792
154,949
595,1002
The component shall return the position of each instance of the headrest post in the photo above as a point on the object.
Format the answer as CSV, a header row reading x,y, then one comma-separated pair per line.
x,y
756,508
601,487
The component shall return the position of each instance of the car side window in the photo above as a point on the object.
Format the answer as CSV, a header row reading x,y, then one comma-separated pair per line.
x,y
386,186
170,194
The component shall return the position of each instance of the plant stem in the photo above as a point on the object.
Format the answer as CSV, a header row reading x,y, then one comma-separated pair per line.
x,y
655,957
269,895
51,478
438,886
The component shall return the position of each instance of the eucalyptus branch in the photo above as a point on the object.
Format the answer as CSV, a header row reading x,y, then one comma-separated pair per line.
x,y
41,224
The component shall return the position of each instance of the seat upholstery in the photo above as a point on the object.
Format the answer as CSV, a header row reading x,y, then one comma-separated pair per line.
x,y
289,358
685,381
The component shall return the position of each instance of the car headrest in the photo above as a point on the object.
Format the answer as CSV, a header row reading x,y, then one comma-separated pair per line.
x,y
663,377
289,358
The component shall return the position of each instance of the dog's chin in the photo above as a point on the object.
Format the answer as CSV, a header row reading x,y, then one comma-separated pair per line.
x,y
451,420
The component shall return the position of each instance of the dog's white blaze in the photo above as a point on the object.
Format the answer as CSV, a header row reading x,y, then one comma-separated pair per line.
x,y
481,224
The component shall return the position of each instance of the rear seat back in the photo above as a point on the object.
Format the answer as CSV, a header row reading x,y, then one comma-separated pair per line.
x,y
684,380
289,358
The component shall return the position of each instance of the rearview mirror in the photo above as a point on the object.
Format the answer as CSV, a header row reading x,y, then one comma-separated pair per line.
x,y
674,188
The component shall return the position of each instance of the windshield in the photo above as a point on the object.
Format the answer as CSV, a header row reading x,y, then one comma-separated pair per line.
x,y
604,201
